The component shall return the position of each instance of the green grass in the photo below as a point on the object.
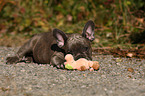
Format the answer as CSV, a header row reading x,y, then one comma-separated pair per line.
x,y
115,20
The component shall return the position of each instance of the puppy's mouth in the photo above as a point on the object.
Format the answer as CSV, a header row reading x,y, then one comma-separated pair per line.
x,y
82,56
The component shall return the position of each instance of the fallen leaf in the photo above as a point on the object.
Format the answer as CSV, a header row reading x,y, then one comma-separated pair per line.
x,y
129,54
130,70
118,60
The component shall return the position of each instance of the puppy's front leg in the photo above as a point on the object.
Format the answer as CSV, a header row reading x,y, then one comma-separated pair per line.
x,y
57,60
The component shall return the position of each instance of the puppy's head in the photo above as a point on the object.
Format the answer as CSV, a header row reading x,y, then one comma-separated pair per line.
x,y
77,45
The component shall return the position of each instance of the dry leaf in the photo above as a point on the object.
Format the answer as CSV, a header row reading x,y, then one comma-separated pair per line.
x,y
129,54
130,70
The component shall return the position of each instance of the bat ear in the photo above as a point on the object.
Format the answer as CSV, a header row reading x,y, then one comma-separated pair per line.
x,y
60,37
88,31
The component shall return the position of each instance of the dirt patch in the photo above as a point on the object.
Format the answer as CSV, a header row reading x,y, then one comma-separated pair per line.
x,y
118,52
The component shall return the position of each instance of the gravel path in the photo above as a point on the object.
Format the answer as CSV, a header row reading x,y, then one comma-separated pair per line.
x,y
116,77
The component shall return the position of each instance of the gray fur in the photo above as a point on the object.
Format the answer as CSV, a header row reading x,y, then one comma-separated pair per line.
x,y
51,47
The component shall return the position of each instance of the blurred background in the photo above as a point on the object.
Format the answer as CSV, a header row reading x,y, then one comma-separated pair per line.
x,y
118,23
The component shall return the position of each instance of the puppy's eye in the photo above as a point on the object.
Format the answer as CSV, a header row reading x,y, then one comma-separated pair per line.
x,y
86,48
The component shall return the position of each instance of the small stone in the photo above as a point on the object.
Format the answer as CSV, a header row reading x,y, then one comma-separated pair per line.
x,y
22,70
84,75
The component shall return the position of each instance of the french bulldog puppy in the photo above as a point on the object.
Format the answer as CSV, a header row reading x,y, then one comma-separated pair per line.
x,y
51,47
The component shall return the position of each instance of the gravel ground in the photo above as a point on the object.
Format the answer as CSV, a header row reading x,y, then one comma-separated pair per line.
x,y
116,77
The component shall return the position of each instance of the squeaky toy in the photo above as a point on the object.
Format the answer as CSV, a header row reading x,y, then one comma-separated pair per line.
x,y
81,64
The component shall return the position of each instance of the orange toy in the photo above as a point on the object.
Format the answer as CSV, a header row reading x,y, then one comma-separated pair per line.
x,y
81,64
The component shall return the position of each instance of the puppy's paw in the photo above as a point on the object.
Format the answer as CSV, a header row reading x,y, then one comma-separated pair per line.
x,y
61,66
28,59
12,60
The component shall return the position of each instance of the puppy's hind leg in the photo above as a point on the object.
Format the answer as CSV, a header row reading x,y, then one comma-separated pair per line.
x,y
25,50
